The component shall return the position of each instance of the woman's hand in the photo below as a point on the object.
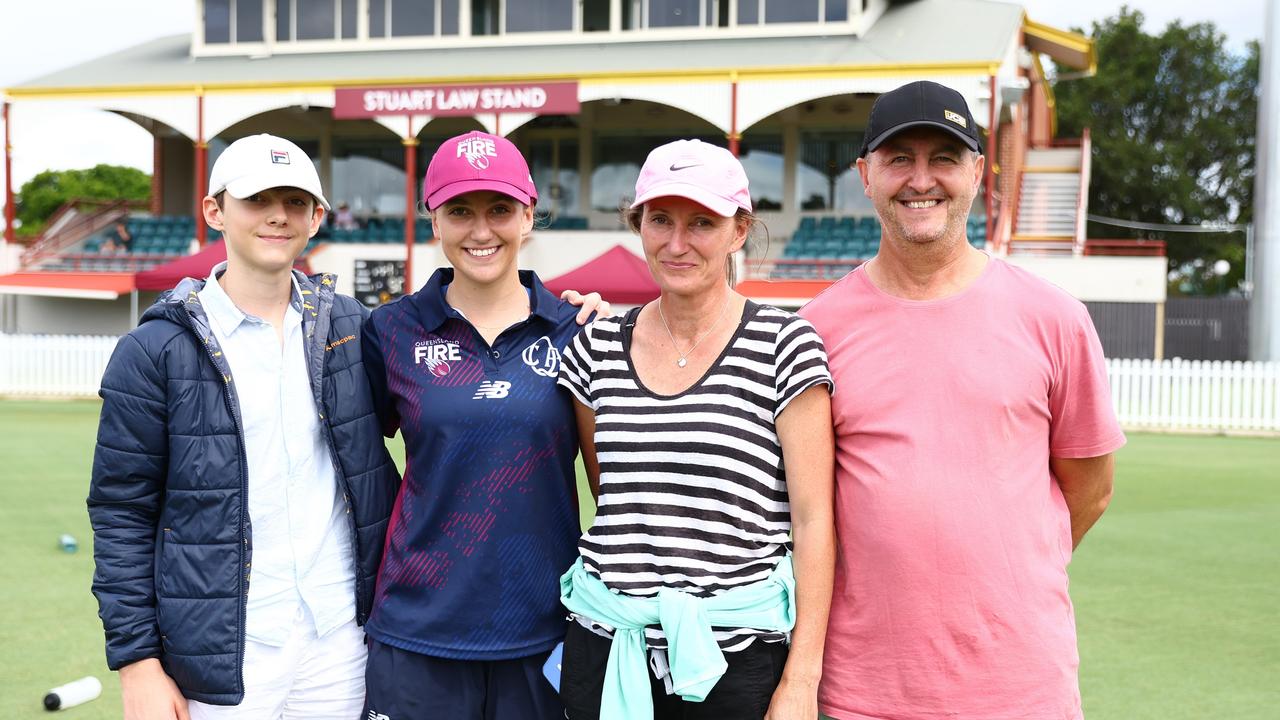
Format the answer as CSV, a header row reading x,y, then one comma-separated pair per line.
x,y
589,303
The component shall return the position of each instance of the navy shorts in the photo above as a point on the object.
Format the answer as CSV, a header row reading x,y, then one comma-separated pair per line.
x,y
743,692
403,685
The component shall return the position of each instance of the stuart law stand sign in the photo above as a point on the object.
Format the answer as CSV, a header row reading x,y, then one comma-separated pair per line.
x,y
559,98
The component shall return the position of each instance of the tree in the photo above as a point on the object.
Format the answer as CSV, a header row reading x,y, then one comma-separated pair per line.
x,y
1173,119
43,194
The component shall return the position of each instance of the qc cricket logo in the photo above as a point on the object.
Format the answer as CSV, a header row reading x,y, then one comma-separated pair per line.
x,y
542,357
492,390
436,354
477,151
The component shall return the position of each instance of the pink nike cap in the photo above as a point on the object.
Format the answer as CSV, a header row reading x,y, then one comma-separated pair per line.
x,y
704,173
477,161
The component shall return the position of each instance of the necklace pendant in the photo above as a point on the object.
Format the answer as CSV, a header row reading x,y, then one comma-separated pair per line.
x,y
682,362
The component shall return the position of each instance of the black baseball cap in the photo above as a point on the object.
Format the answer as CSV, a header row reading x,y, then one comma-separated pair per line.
x,y
916,104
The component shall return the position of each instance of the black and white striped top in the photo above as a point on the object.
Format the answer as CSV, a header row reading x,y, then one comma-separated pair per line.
x,y
693,493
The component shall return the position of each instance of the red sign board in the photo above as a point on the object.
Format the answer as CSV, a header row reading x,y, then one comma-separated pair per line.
x,y
560,98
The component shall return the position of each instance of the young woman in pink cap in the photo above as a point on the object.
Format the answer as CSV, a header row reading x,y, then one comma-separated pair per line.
x,y
465,611
702,589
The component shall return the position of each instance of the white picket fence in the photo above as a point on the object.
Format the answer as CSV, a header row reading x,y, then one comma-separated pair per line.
x,y
1196,394
1174,395
53,365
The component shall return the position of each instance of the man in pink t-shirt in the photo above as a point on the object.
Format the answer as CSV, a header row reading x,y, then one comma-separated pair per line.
x,y
974,434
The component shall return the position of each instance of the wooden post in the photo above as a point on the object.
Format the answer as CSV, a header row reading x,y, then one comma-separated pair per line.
x,y
410,205
8,180
733,115
992,153
202,171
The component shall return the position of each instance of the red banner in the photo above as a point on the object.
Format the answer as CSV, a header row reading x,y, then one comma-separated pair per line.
x,y
560,98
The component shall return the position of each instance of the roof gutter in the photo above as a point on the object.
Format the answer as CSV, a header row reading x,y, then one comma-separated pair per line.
x,y
763,73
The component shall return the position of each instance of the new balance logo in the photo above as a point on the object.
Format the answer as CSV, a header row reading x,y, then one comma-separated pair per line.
x,y
492,390
375,715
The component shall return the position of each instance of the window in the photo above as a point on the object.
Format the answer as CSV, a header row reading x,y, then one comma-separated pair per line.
x,y
673,13
349,11
755,12
248,15
414,18
232,21
790,11
762,158
826,180
595,15
553,163
539,15
217,21
314,19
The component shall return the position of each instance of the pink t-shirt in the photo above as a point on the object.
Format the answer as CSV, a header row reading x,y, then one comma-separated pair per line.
x,y
951,578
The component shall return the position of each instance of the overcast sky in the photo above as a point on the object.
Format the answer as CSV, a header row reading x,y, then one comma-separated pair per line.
x,y
46,35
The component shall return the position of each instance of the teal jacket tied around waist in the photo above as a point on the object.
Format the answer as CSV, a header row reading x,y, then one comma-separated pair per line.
x,y
695,659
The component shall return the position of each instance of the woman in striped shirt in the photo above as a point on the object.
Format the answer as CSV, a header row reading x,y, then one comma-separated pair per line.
x,y
702,588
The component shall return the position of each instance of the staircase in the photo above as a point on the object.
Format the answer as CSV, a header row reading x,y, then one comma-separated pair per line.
x,y
1050,202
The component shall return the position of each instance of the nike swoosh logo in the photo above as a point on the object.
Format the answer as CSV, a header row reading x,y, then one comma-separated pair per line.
x,y
678,168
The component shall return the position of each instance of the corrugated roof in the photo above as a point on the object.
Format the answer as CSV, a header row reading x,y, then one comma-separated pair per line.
x,y
921,34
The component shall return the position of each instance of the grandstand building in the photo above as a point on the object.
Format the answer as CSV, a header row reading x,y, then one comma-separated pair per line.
x,y
585,88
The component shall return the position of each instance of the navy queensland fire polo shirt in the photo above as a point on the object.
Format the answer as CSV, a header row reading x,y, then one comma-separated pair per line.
x,y
486,519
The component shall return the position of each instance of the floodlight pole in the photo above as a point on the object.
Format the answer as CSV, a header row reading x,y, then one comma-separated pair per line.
x,y
8,180
1264,310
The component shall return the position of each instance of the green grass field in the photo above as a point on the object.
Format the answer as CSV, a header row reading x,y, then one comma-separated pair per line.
x,y
1176,590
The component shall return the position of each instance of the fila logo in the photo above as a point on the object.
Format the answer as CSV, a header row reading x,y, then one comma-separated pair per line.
x,y
542,357
279,157
956,118
492,390
478,151
375,715
436,354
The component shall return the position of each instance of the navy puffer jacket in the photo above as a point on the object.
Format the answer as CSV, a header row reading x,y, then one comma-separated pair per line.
x,y
168,499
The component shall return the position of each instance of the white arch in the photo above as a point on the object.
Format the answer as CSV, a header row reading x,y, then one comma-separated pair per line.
x,y
707,100
758,99
177,111
222,110
397,124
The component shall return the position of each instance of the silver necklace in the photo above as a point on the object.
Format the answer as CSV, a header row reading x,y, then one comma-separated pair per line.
x,y
684,356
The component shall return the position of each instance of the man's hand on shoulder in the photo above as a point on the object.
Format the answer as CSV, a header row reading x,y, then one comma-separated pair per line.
x,y
150,694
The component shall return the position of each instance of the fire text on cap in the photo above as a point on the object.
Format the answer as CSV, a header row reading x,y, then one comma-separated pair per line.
x,y
478,151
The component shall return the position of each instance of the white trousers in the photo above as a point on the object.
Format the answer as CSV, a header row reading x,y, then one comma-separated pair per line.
x,y
310,677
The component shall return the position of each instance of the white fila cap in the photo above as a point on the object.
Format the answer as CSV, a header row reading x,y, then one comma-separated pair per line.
x,y
261,162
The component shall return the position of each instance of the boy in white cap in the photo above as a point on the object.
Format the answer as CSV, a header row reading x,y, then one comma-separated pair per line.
x,y
240,487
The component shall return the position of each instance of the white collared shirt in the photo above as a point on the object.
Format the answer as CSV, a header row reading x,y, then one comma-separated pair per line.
x,y
301,538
